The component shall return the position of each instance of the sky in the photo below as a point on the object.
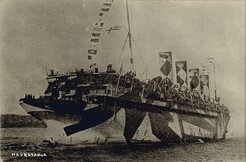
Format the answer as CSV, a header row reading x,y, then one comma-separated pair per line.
x,y
56,33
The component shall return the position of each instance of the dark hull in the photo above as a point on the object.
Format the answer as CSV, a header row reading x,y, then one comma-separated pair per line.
x,y
172,122
59,106
153,120
97,124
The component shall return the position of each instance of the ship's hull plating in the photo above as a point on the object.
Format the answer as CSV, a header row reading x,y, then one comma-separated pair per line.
x,y
109,123
107,129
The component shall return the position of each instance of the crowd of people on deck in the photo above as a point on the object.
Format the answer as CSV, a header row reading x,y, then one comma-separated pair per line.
x,y
156,88
163,89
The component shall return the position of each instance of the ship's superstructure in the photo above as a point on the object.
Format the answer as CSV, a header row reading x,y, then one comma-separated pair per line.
x,y
117,106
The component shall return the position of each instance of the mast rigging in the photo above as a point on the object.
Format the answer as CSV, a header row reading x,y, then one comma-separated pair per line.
x,y
129,34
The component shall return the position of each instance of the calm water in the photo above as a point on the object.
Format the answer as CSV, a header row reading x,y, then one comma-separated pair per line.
x,y
27,140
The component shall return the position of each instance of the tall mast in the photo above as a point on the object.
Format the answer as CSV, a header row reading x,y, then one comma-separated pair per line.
x,y
129,34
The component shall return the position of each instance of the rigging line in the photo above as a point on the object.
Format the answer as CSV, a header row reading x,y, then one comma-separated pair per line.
x,y
143,72
126,29
63,10
137,49
118,81
120,71
123,49
129,35
146,67
132,36
140,54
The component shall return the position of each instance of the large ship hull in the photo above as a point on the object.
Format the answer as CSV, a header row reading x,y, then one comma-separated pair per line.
x,y
101,125
127,108
54,121
117,119
170,121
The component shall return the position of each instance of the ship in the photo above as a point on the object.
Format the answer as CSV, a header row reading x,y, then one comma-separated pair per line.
x,y
117,106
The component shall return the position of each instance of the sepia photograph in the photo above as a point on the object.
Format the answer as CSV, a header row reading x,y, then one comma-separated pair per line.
x,y
122,80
